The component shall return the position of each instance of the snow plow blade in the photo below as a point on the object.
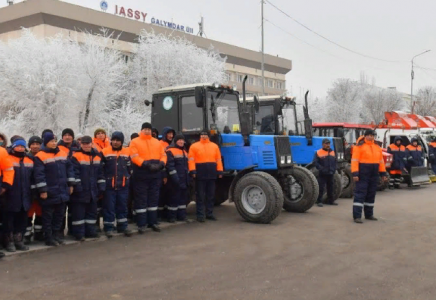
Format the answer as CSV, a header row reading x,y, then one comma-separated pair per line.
x,y
419,176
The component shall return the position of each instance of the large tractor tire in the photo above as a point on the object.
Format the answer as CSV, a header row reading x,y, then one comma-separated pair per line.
x,y
347,183
300,190
337,188
258,197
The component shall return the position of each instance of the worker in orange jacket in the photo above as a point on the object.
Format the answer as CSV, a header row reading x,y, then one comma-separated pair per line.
x,y
432,154
367,166
7,174
205,166
149,159
100,140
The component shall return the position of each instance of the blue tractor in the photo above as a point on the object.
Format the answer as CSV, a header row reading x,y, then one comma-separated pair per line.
x,y
277,115
259,171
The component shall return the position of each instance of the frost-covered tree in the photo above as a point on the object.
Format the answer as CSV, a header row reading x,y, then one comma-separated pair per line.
x,y
425,104
377,101
344,103
162,61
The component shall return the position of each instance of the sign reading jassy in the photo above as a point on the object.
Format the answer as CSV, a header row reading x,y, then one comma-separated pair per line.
x,y
130,13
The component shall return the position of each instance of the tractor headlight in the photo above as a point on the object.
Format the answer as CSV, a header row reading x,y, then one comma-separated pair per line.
x,y
289,159
282,160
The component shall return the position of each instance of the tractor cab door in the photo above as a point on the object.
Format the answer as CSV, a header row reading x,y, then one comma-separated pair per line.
x,y
179,111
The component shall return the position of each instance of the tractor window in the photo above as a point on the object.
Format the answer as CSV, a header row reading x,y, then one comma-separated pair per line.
x,y
192,116
350,136
287,121
226,112
165,112
265,120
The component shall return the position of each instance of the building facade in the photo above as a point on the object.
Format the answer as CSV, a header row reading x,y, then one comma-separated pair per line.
x,y
47,18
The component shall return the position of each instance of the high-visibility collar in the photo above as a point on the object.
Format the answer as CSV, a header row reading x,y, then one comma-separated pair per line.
x,y
204,141
145,136
369,142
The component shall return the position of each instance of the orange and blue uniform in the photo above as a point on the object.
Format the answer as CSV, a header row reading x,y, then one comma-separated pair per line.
x,y
398,162
54,174
432,155
117,170
90,184
367,164
205,162
414,155
149,159
178,181
325,163
164,192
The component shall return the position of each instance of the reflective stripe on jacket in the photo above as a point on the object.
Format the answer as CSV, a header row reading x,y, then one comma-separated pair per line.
x,y
116,167
53,174
205,160
89,176
367,160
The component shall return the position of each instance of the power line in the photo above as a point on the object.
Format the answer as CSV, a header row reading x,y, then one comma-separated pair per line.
x,y
424,68
327,39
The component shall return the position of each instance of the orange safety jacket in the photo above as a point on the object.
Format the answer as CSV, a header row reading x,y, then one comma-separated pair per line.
x,y
205,160
100,145
7,169
432,151
367,160
146,152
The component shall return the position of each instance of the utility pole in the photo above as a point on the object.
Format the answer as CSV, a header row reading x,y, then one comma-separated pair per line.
x,y
263,49
411,81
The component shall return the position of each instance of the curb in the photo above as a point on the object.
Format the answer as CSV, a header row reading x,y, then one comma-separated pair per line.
x,y
69,241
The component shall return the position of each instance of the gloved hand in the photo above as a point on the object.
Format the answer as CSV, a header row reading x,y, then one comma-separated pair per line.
x,y
154,168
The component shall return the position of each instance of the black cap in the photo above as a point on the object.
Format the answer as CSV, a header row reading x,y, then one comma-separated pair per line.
x,y
369,132
205,132
35,139
146,125
68,131
178,136
86,140
325,141
118,135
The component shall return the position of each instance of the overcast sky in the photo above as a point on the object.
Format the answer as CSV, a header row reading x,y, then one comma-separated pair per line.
x,y
385,29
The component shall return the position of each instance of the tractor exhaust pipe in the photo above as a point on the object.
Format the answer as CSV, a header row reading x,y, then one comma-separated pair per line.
x,y
244,98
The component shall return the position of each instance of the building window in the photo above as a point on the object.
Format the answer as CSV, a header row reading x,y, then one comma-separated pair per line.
x,y
227,77
259,81
279,85
270,83
250,80
239,77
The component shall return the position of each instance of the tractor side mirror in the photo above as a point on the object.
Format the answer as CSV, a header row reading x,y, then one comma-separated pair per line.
x,y
148,102
256,104
199,97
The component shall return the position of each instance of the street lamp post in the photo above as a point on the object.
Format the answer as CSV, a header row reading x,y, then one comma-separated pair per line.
x,y
411,81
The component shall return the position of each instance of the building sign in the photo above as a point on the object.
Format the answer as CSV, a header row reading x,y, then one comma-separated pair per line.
x,y
104,5
130,13
172,25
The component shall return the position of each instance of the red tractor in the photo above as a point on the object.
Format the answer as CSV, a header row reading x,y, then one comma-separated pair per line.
x,y
349,133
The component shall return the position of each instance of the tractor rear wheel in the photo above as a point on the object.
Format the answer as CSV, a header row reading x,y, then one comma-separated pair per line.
x,y
347,183
300,189
258,197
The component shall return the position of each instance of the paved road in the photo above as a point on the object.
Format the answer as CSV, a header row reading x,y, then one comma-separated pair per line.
x,y
321,254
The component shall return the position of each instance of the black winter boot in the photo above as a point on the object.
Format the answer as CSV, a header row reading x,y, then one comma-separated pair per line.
x,y
59,237
50,241
10,247
18,241
38,236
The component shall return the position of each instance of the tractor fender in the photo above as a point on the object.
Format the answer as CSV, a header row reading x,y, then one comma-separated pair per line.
x,y
238,176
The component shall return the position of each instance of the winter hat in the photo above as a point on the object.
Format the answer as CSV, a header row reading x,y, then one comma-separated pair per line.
x,y
48,136
205,131
179,136
16,137
134,136
79,136
369,132
18,142
35,139
86,139
98,130
68,131
146,125
118,135
155,131
325,141
45,131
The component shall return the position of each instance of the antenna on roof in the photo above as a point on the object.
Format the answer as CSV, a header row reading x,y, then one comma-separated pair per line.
x,y
10,2
201,28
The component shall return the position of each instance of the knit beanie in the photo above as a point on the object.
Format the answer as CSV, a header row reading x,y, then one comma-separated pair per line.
x,y
48,136
146,125
68,131
45,131
178,137
98,130
35,139
19,142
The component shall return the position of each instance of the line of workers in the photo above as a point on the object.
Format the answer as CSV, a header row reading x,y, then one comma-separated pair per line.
x,y
97,177
367,166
